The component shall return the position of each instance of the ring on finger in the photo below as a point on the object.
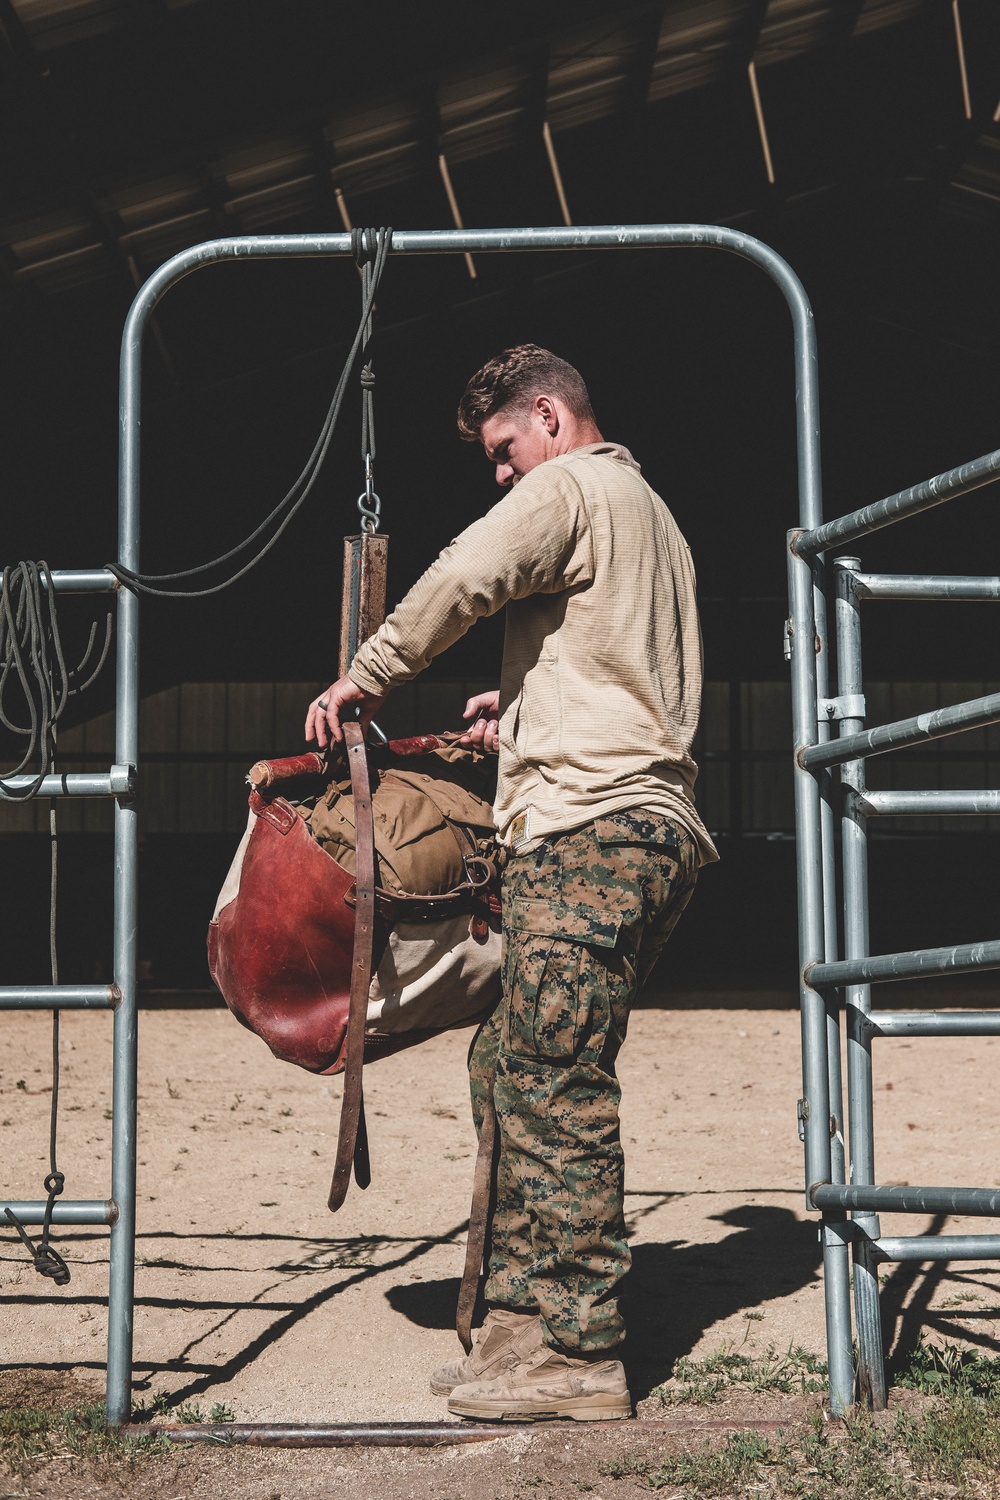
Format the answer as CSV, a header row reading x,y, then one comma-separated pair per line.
x,y
322,703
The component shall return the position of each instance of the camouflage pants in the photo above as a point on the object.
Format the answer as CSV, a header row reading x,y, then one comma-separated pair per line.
x,y
584,919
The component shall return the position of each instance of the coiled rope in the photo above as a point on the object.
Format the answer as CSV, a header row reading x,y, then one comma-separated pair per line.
x,y
33,660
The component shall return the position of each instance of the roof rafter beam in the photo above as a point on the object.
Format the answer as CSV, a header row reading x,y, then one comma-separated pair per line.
x,y
647,30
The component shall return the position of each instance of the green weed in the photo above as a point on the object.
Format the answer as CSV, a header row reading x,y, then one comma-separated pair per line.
x,y
937,1369
188,1412
740,1463
30,1435
700,1381
949,1445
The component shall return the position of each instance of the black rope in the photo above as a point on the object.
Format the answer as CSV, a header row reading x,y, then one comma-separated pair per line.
x,y
377,245
32,659
44,1256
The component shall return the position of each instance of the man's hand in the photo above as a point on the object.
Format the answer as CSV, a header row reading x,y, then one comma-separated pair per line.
x,y
324,711
484,732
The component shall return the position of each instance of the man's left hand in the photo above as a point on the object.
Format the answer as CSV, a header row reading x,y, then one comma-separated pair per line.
x,y
323,718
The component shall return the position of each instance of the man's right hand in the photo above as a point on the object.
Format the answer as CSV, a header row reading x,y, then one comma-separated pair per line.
x,y
484,732
323,717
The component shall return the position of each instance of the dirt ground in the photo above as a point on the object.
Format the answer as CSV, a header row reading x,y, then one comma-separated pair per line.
x,y
249,1294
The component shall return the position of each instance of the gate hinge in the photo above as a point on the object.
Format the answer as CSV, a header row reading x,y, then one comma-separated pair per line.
x,y
789,631
849,706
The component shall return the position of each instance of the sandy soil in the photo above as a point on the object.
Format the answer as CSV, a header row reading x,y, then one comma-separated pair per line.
x,y
250,1294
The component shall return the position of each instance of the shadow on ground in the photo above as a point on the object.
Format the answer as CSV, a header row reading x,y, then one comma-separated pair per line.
x,y
675,1292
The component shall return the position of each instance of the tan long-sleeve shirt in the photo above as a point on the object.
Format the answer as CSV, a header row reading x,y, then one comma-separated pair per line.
x,y
601,683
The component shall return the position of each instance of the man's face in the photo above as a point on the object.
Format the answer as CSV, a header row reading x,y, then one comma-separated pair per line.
x,y
517,442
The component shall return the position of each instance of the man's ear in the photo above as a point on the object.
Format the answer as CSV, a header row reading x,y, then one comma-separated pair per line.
x,y
543,407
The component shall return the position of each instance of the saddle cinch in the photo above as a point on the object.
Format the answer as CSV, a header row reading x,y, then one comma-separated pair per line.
x,y
361,913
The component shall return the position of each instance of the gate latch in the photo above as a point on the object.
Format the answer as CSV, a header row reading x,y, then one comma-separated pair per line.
x,y
849,706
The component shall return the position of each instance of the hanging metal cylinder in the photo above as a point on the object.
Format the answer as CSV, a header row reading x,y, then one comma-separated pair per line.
x,y
366,559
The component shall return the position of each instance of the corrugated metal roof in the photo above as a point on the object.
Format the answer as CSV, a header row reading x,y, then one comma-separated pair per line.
x,y
266,180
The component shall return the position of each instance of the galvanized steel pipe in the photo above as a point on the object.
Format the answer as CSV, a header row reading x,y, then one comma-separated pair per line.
x,y
854,844
120,783
82,581
94,1211
924,586
938,1247
925,804
933,1023
973,714
59,997
904,503
916,964
909,1200
461,241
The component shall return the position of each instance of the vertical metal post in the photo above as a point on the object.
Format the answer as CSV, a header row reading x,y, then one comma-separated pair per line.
x,y
121,1291
836,1229
871,1364
815,873
812,943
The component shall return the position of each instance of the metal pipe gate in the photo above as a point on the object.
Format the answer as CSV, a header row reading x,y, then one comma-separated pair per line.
x,y
824,1157
830,782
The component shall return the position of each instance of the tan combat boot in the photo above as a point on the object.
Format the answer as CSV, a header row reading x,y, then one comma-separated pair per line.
x,y
547,1385
504,1340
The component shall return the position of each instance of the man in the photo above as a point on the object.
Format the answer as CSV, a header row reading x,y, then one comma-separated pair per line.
x,y
593,722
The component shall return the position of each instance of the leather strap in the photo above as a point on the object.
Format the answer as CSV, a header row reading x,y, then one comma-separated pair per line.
x,y
479,1215
395,906
352,1141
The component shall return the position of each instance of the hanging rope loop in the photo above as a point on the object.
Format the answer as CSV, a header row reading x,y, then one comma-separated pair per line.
x,y
370,248
44,1257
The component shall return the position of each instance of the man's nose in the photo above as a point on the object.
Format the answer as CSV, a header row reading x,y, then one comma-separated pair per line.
x,y
505,473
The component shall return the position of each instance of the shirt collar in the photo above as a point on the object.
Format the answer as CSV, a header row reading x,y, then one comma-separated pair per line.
x,y
608,450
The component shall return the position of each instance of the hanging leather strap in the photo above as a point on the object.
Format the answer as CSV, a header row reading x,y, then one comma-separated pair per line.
x,y
352,1141
475,1245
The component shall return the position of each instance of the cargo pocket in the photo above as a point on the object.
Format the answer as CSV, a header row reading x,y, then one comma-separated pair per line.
x,y
555,990
655,852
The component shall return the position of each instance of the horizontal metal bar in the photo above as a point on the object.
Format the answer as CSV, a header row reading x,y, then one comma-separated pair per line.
x,y
973,714
923,586
83,581
933,1023
94,1211
925,804
938,1247
916,964
318,1435
904,503
119,782
907,1200
476,241
59,997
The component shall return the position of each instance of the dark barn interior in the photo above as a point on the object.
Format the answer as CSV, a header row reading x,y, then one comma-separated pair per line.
x,y
132,129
